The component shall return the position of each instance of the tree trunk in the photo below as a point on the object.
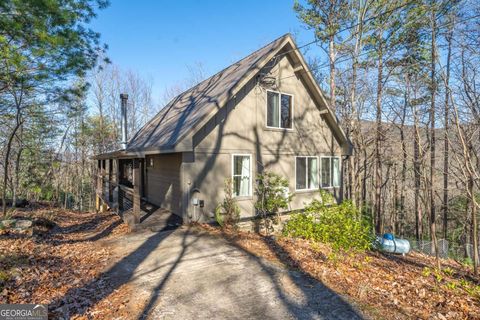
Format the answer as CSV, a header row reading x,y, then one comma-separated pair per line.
x,y
331,53
365,176
17,177
8,150
446,144
404,160
473,203
417,177
433,85
355,119
378,139
395,201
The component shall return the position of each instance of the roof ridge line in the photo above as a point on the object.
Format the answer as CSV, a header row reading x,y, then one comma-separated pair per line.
x,y
198,84
238,61
245,57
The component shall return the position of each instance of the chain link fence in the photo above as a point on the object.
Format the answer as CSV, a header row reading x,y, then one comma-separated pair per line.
x,y
445,249
427,247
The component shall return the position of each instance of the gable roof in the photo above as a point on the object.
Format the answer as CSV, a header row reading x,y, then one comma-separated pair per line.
x,y
187,112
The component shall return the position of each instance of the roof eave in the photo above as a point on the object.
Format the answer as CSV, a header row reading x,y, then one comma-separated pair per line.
x,y
108,155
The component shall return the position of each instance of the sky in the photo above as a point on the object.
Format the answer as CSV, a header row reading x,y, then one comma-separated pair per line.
x,y
160,39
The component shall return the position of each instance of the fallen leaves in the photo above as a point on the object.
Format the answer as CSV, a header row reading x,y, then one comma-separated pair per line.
x,y
384,286
61,264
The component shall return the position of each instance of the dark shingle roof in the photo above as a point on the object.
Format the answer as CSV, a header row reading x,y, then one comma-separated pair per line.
x,y
190,108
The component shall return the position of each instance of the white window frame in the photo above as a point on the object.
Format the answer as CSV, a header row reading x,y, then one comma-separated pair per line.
x,y
306,173
280,106
331,186
249,155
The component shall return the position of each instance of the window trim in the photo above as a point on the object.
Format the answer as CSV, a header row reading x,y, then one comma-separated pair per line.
x,y
249,155
306,173
280,113
331,186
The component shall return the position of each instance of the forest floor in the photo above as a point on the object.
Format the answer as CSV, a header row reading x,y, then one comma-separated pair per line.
x,y
383,286
62,263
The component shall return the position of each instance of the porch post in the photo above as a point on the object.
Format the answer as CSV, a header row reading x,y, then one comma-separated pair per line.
x,y
110,181
99,186
119,190
103,204
137,183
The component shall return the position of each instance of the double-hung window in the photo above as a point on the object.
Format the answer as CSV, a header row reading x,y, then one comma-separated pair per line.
x,y
279,110
306,173
241,175
330,172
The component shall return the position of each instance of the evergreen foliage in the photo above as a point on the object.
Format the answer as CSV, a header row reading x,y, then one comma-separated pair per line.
x,y
340,225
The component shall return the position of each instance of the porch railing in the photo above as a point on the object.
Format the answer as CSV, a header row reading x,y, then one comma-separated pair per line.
x,y
125,198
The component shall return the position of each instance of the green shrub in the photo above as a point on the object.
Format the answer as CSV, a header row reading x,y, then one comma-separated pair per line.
x,y
271,190
228,212
468,262
340,225
4,276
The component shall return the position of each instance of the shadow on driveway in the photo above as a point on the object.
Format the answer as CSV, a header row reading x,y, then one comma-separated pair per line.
x,y
189,274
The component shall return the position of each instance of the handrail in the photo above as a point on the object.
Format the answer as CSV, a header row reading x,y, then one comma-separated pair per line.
x,y
125,188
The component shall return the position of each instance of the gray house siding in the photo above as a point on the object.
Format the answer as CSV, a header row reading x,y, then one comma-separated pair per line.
x,y
240,128
163,183
191,141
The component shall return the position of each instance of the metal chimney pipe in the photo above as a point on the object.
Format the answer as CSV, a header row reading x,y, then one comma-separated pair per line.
x,y
123,122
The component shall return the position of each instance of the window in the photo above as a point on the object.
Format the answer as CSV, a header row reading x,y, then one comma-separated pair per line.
x,y
151,162
241,175
330,172
306,173
336,172
326,170
279,110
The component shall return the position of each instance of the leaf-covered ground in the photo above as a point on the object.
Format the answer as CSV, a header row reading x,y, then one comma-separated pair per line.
x,y
384,286
62,263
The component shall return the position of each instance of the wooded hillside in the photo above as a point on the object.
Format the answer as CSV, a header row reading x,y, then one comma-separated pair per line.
x,y
402,77
411,69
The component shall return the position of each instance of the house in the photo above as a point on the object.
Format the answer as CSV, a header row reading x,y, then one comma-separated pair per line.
x,y
264,112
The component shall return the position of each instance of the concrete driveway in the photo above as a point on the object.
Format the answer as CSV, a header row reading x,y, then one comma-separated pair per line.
x,y
189,274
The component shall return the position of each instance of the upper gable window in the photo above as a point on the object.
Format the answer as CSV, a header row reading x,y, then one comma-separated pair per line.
x,y
279,110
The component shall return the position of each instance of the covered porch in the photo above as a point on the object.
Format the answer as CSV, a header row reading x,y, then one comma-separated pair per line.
x,y
120,187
